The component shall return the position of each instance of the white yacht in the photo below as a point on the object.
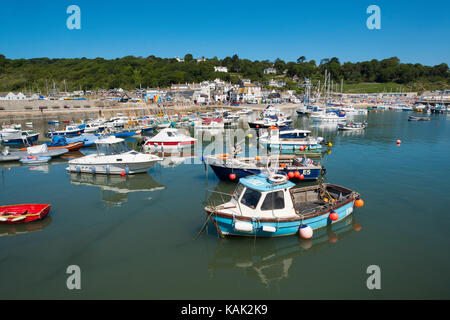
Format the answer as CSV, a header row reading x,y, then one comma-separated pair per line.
x,y
113,157
323,116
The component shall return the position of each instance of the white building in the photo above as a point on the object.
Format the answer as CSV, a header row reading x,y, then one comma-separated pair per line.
x,y
270,71
249,93
12,96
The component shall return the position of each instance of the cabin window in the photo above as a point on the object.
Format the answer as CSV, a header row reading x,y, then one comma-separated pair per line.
x,y
251,198
170,134
238,191
273,201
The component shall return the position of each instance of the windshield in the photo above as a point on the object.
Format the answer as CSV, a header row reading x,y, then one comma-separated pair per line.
x,y
109,149
238,191
273,201
251,198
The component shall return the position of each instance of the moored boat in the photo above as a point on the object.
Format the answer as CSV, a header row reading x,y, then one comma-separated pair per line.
x,y
268,206
290,139
229,168
22,213
413,118
113,157
69,131
17,137
34,159
352,125
59,142
168,138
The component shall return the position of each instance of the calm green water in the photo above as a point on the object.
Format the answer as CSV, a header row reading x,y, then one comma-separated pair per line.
x,y
140,244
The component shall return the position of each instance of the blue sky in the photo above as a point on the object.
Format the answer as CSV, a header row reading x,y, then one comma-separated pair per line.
x,y
414,31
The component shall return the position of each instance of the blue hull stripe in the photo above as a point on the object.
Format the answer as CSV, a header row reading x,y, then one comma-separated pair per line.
x,y
226,225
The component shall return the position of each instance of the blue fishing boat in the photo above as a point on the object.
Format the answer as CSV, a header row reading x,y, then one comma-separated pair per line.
x,y
70,131
296,168
267,205
20,138
124,134
290,139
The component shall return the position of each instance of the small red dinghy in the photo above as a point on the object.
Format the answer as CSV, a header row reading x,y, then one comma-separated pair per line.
x,y
22,213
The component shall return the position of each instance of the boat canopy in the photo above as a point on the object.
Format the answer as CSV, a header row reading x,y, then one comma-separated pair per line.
x,y
58,141
261,183
111,145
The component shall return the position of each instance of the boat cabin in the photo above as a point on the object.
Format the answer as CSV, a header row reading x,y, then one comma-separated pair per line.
x,y
260,196
111,146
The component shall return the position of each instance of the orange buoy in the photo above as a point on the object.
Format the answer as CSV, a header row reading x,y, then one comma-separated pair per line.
x,y
290,174
334,216
359,203
297,174
302,148
258,158
301,177
232,176
282,165
123,173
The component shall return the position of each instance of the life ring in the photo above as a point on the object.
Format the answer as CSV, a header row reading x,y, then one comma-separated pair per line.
x,y
224,156
277,178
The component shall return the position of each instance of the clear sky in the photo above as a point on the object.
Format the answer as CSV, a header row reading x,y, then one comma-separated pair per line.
x,y
414,31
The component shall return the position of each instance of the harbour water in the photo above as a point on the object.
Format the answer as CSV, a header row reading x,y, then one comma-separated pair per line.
x,y
135,237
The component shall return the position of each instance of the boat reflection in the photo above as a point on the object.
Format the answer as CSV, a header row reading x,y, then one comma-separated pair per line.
x,y
270,260
114,188
174,159
17,229
351,133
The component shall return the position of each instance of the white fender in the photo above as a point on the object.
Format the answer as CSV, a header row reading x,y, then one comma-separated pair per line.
x,y
243,226
269,229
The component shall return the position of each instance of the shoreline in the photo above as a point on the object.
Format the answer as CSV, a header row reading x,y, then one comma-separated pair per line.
x,y
12,111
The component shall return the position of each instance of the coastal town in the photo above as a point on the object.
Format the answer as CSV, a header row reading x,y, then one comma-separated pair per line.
x,y
189,96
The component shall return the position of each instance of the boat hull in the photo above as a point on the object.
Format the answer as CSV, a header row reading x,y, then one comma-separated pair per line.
x,y
35,161
32,139
18,214
223,173
226,225
115,168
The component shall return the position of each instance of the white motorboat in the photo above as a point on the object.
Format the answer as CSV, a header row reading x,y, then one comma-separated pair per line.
x,y
290,139
69,131
168,138
113,157
352,126
328,116
93,128
302,110
202,124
